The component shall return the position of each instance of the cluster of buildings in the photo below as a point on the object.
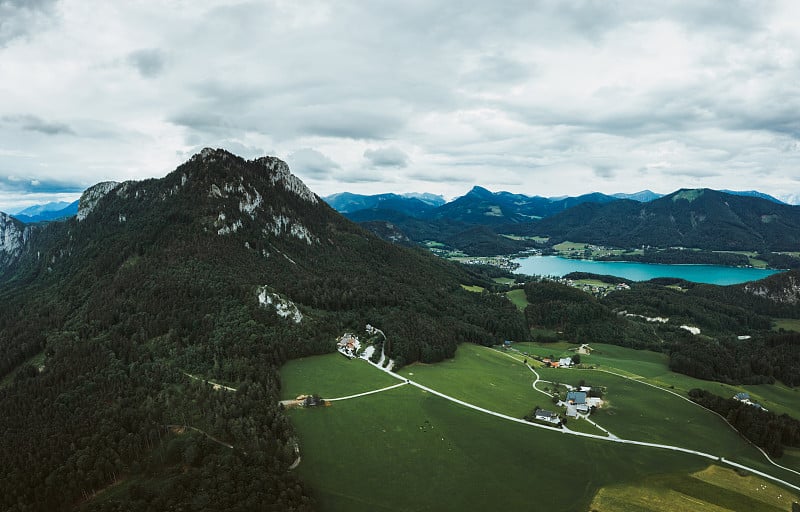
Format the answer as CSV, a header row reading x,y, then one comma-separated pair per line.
x,y
577,404
348,345
564,362
745,399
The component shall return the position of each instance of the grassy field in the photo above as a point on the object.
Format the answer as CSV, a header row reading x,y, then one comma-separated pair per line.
x,y
473,288
404,449
407,450
483,377
787,324
503,280
330,376
491,379
711,490
517,297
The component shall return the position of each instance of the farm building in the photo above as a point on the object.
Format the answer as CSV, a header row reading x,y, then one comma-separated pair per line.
x,y
548,416
576,397
565,362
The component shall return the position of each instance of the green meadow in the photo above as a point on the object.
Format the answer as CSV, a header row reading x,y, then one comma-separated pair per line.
x,y
483,377
330,376
405,449
517,297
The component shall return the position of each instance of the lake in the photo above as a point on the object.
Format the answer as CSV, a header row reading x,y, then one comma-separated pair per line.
x,y
711,274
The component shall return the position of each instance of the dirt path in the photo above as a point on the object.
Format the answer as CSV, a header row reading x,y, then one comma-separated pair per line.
x,y
215,385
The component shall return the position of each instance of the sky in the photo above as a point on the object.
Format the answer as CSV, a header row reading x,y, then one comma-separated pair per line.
x,y
534,97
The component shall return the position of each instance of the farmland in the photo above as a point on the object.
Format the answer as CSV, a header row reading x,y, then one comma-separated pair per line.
x,y
406,438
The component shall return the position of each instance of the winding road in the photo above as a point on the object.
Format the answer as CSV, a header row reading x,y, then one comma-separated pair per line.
x,y
610,438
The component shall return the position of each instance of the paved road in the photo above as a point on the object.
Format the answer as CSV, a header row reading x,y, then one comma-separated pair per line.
x,y
582,434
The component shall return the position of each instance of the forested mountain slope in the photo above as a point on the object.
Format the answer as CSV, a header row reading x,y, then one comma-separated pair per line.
x,y
224,268
702,218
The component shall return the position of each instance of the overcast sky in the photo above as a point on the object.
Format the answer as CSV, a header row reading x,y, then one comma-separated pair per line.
x,y
534,97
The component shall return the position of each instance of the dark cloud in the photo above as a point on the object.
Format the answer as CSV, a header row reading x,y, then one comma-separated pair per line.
x,y
21,18
36,124
309,163
386,157
604,171
148,62
32,184
347,122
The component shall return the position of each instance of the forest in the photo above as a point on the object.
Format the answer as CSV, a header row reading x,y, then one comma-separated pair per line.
x,y
766,429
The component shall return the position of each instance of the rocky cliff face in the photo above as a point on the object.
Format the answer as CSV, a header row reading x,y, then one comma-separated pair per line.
x,y
783,288
92,195
13,237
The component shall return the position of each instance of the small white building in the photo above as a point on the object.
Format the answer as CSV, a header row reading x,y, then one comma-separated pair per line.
x,y
565,362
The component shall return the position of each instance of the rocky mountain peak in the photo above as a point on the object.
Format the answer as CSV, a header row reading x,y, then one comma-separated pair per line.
x,y
92,195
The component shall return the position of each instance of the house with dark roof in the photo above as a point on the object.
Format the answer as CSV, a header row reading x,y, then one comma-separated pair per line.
x,y
576,397
548,416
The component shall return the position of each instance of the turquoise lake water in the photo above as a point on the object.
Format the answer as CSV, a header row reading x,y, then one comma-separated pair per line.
x,y
711,274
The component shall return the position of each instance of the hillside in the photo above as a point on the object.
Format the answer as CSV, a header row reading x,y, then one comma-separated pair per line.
x,y
225,268
702,218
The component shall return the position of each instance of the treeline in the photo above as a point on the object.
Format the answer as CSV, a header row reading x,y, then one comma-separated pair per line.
x,y
685,256
764,428
582,318
752,361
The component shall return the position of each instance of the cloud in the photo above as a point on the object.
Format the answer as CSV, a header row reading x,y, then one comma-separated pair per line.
x,y
36,124
22,18
547,97
31,184
148,62
389,156
309,163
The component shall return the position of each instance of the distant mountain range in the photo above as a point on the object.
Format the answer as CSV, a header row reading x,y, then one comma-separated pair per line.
x,y
47,212
698,218
702,218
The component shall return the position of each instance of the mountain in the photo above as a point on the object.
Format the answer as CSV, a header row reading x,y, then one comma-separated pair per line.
x,y
37,209
221,270
644,196
753,193
431,199
700,218
483,207
346,202
48,212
